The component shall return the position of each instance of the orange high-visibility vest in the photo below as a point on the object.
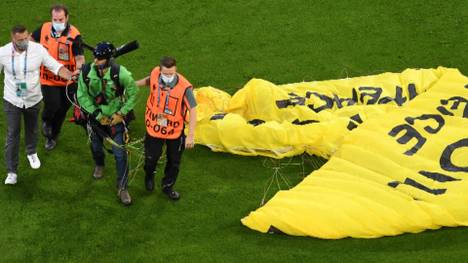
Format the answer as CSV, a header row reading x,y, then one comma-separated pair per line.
x,y
60,49
166,103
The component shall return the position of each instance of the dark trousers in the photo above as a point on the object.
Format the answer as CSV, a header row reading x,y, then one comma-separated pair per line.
x,y
120,154
174,150
56,105
13,118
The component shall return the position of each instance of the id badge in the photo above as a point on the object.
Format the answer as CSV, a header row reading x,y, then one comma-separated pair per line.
x,y
161,120
21,89
63,52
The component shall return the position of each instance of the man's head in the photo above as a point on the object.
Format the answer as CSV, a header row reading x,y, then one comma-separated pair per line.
x,y
168,69
102,55
59,15
20,37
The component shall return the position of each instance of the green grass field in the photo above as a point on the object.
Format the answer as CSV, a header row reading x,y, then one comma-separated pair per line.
x,y
60,214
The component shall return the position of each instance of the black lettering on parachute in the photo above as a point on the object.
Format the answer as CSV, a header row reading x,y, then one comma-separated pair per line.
x,y
442,178
340,101
399,99
411,133
456,103
446,158
429,129
374,94
305,122
358,95
217,116
293,100
328,102
412,91
354,122
445,163
411,182
256,122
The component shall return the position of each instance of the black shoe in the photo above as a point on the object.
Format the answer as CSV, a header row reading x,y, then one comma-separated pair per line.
x,y
50,144
149,183
173,195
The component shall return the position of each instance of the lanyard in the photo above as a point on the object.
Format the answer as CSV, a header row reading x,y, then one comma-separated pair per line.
x,y
56,36
13,63
167,96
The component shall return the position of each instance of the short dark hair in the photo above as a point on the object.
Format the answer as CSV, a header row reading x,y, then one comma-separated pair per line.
x,y
167,62
18,29
59,7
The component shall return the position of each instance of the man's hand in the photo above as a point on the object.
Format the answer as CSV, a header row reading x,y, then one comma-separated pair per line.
x,y
189,143
105,121
75,74
116,119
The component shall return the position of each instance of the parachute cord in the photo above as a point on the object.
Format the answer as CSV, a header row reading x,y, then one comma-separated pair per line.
x,y
127,146
73,102
278,177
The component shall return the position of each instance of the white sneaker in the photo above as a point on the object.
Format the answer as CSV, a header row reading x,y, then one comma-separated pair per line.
x,y
34,161
11,178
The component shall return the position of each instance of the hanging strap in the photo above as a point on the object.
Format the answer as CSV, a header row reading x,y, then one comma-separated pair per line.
x,y
25,69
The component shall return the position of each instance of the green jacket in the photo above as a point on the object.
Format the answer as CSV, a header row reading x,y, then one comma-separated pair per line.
x,y
123,104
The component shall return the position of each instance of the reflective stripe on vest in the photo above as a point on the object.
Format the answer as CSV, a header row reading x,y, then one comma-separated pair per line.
x,y
174,111
59,48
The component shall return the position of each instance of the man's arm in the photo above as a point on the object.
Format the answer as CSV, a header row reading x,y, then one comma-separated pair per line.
x,y
143,82
54,66
189,142
189,100
65,73
85,100
80,60
131,91
78,52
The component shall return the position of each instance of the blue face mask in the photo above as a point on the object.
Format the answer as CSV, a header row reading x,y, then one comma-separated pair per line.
x,y
59,27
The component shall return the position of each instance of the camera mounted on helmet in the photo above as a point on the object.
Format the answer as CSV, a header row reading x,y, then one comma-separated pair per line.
x,y
108,52
104,50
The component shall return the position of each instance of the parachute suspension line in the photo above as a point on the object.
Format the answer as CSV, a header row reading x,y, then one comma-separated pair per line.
x,y
72,101
132,147
277,176
140,161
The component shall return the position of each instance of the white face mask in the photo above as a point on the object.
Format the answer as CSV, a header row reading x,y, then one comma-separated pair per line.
x,y
59,27
167,79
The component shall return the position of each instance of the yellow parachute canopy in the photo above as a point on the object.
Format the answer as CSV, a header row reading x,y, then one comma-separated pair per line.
x,y
313,117
398,148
